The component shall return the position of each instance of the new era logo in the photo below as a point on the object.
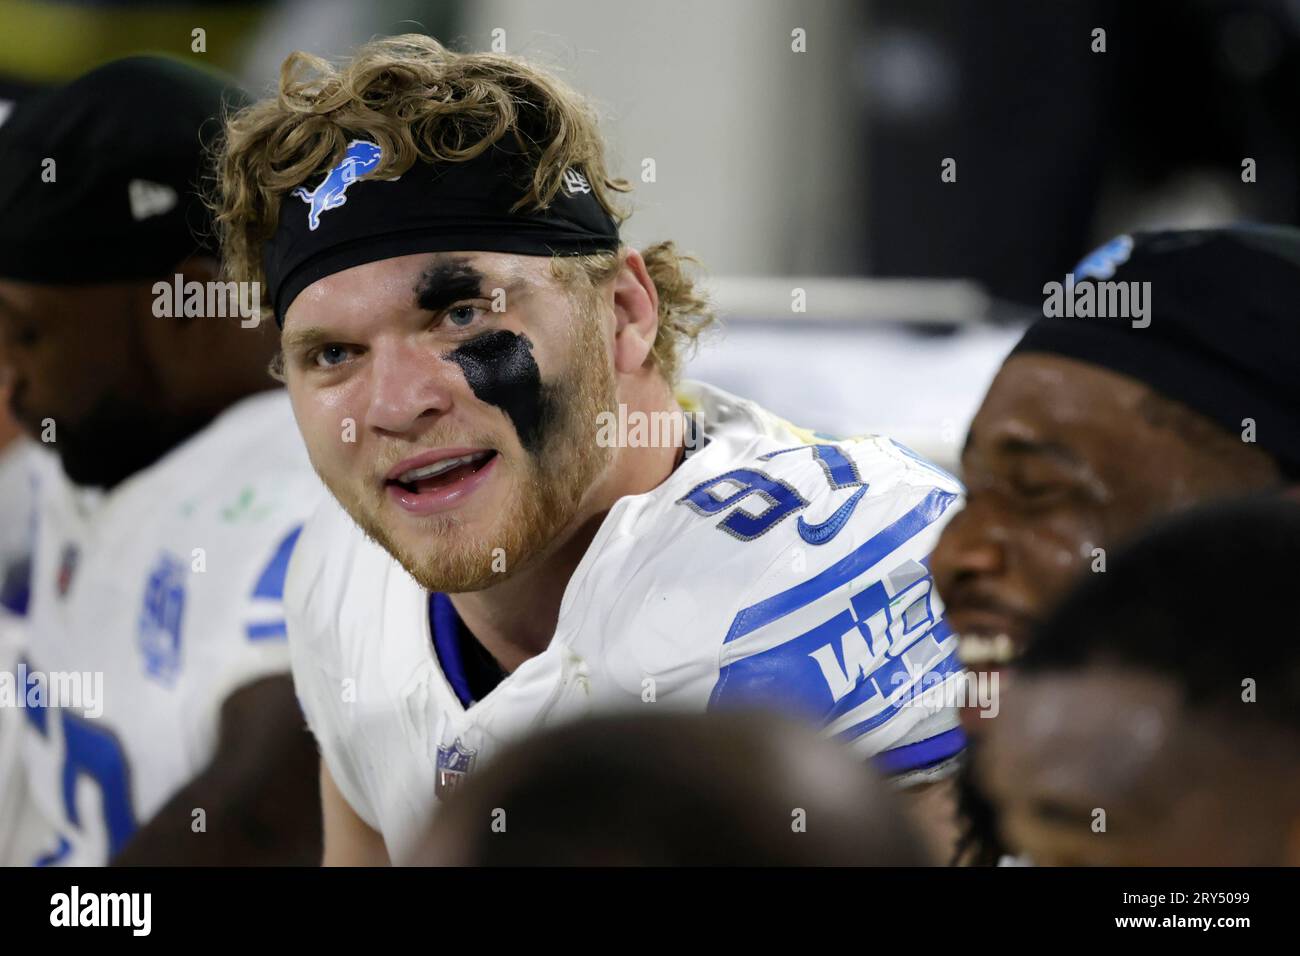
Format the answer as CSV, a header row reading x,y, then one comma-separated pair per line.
x,y
149,199
574,183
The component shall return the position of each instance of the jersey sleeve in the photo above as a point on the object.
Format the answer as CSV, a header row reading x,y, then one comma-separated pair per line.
x,y
845,628
236,645
324,690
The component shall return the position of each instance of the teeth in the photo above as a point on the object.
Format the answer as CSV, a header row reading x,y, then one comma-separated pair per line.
x,y
975,650
438,467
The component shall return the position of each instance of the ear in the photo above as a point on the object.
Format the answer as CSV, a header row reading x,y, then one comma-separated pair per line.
x,y
636,314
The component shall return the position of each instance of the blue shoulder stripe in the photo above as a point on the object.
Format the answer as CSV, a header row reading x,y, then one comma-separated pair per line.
x,y
846,569
271,583
268,631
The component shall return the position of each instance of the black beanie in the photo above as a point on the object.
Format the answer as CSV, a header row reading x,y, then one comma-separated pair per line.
x,y
1224,326
128,141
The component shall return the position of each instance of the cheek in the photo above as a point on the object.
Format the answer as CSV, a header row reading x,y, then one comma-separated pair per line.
x,y
1056,549
501,370
330,426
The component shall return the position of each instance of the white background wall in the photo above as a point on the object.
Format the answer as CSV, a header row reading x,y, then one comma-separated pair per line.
x,y
758,159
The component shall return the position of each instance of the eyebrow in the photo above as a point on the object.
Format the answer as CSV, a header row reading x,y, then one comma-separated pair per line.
x,y
445,282
300,340
1013,445
1056,811
1020,445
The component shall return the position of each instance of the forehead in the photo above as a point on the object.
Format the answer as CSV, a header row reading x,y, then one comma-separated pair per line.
x,y
1048,398
397,284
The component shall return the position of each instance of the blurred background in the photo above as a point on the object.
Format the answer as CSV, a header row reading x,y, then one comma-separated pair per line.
x,y
812,161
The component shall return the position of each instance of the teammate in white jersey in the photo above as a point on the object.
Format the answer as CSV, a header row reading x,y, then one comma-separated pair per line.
x,y
463,341
18,457
160,723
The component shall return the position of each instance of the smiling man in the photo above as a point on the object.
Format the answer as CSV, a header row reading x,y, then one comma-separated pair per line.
x,y
1156,717
1095,428
440,242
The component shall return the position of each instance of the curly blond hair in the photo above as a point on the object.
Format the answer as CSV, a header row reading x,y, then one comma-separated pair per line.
x,y
424,103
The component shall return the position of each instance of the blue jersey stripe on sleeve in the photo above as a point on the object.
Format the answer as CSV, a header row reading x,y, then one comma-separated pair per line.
x,y
846,569
267,631
271,583
923,753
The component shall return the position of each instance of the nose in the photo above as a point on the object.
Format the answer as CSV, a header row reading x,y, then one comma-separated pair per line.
x,y
972,545
409,384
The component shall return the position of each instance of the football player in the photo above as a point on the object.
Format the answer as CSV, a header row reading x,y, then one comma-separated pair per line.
x,y
17,454
464,337
1156,714
1097,426
160,719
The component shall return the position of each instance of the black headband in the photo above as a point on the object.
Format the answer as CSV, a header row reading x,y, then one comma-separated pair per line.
x,y
442,207
1224,332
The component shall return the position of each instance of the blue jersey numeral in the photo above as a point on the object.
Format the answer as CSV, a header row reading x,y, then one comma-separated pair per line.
x,y
782,499
94,751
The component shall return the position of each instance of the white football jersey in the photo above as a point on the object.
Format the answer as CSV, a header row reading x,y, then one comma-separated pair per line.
x,y
773,568
12,784
150,605
20,461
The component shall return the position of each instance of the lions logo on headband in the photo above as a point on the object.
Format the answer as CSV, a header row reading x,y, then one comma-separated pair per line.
x,y
361,157
1102,262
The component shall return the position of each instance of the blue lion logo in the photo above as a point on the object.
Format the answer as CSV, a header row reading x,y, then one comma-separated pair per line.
x,y
362,156
1102,262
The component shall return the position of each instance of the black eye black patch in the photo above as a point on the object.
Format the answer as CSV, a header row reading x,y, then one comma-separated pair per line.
x,y
501,370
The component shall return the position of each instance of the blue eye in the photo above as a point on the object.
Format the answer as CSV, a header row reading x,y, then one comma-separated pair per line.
x,y
331,355
463,315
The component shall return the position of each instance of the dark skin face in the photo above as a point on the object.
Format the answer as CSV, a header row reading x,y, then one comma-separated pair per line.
x,y
9,428
1062,458
1179,787
121,386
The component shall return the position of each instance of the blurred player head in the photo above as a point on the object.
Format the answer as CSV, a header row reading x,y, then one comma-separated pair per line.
x,y
439,238
1165,694
1095,427
99,201
673,790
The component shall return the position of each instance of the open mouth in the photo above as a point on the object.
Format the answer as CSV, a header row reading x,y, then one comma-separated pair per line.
x,y
440,481
442,474
978,651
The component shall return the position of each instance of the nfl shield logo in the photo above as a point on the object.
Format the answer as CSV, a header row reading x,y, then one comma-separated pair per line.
x,y
454,763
